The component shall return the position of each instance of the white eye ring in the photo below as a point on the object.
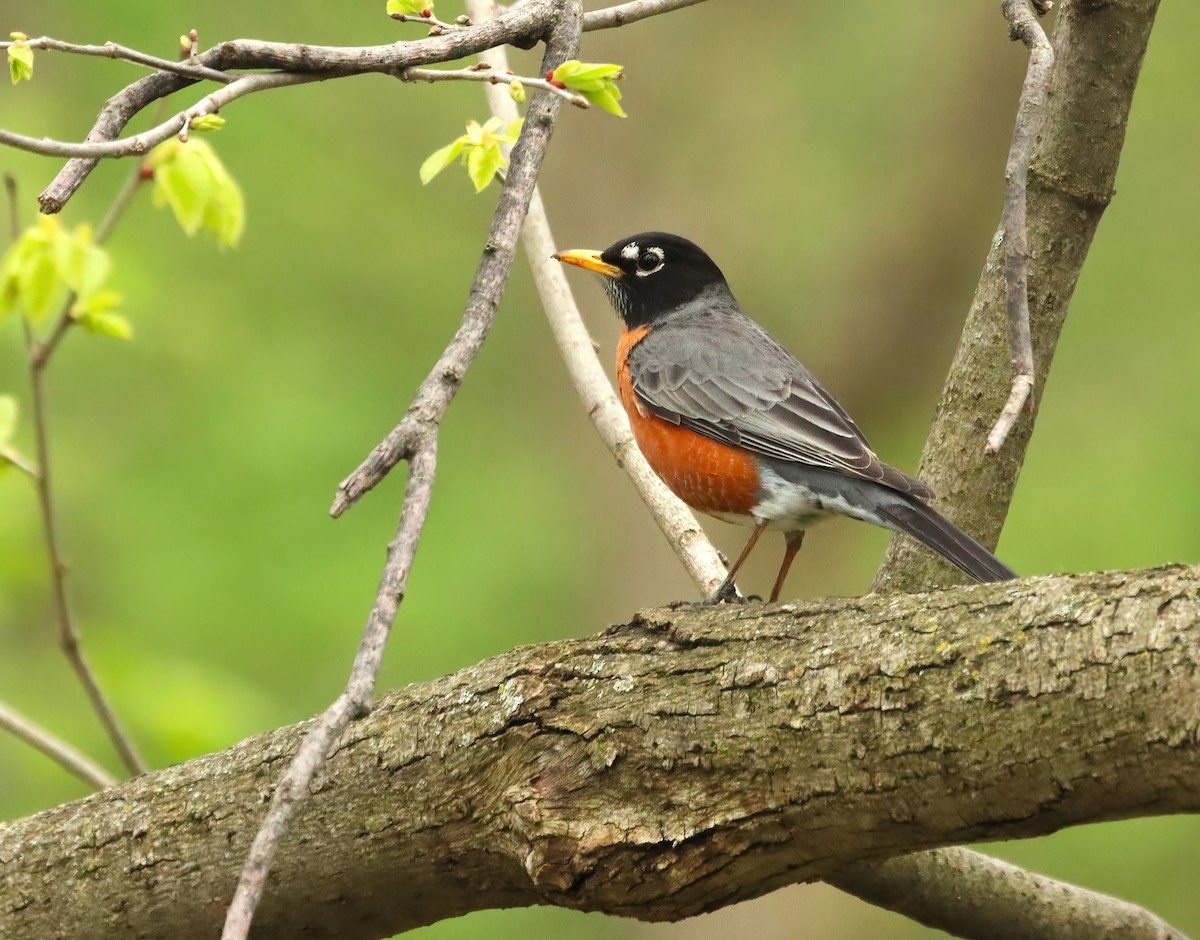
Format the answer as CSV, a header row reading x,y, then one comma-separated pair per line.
x,y
649,261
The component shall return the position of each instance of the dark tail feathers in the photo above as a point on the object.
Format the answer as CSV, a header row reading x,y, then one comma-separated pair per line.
x,y
927,526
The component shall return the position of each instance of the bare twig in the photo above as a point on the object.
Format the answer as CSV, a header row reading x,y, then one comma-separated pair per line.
x,y
68,634
110,50
476,73
1023,25
138,144
415,439
676,521
521,25
624,13
56,749
38,355
429,20
995,899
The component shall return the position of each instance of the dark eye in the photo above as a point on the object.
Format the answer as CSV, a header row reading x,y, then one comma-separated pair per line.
x,y
650,261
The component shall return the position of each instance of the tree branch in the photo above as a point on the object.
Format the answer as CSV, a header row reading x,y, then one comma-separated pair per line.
x,y
522,26
1023,25
578,351
1099,49
1074,162
668,767
415,440
58,750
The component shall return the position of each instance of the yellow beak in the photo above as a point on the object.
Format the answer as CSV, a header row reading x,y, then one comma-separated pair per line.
x,y
588,260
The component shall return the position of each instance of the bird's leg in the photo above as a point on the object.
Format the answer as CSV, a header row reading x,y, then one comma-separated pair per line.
x,y
727,591
794,541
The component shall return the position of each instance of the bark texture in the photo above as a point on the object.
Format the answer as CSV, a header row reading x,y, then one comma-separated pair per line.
x,y
1099,48
673,765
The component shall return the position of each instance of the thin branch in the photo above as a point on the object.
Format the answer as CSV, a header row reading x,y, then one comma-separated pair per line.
x,y
1005,902
68,634
678,524
138,144
111,50
58,750
522,25
1023,25
624,13
485,73
38,356
430,20
415,439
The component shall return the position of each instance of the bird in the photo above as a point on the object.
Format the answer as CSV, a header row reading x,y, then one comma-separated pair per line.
x,y
736,426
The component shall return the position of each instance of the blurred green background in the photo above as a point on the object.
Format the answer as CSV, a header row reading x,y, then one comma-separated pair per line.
x,y
842,162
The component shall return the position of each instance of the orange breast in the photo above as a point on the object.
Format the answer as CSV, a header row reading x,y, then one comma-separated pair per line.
x,y
707,475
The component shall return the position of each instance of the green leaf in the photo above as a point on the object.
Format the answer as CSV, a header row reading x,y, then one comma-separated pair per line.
x,y
100,302
106,324
29,275
605,98
575,74
512,132
208,122
482,163
408,7
440,159
517,92
38,287
595,81
82,265
20,62
191,179
8,419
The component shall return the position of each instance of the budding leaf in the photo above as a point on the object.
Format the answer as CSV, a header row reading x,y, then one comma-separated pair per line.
x,y
48,263
594,81
20,60
191,179
29,276
440,159
106,324
480,149
408,7
82,265
482,164
517,91
8,419
209,122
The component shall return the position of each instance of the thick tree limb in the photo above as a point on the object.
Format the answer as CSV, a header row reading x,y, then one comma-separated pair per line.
x,y
689,760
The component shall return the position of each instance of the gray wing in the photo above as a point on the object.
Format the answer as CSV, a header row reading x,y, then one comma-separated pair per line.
x,y
751,393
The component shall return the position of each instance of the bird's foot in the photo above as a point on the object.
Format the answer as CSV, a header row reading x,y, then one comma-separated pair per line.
x,y
727,593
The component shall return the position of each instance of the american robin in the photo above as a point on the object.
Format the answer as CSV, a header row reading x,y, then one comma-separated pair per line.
x,y
735,425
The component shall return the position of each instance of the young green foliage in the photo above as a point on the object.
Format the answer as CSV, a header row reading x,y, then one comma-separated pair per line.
x,y
595,81
191,179
47,264
479,148
208,122
8,420
409,7
20,58
8,428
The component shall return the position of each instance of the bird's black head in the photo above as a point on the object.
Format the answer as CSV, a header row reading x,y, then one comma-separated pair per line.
x,y
649,275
